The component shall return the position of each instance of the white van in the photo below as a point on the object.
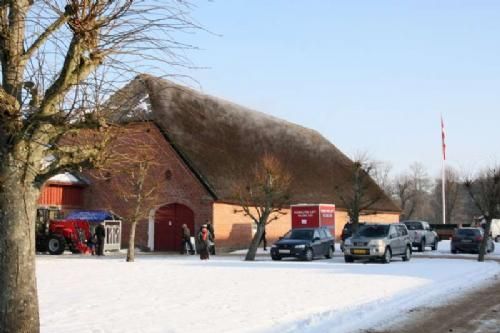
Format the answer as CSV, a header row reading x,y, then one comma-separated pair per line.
x,y
495,230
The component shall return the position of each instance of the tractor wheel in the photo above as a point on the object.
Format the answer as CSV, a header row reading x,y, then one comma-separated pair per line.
x,y
56,244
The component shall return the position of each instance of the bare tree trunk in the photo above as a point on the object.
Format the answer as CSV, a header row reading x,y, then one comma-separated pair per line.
x,y
131,242
252,250
484,242
18,294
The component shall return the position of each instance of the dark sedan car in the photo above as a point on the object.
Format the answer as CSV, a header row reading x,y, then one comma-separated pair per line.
x,y
469,240
304,243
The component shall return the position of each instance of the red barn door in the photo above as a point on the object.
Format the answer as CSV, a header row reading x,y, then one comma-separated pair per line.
x,y
168,226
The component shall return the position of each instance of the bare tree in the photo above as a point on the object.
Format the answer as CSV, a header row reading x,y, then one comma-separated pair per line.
x,y
484,189
412,192
52,56
382,176
128,172
452,196
263,197
359,193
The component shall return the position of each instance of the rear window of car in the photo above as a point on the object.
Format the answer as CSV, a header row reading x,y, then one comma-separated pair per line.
x,y
373,230
299,234
414,225
468,232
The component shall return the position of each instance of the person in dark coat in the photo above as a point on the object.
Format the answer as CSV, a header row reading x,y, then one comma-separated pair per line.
x,y
210,228
100,233
91,242
204,241
263,239
186,238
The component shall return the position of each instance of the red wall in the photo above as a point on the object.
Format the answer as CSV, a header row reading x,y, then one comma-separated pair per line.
x,y
61,195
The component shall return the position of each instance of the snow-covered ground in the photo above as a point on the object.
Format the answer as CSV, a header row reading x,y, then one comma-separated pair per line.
x,y
225,294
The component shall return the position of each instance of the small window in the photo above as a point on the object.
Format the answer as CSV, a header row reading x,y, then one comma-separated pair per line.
x,y
392,231
328,233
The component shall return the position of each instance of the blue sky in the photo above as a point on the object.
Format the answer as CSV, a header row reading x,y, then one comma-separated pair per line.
x,y
370,76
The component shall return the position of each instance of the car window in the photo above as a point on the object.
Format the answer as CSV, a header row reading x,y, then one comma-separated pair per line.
x,y
299,234
468,232
392,231
328,233
316,234
373,230
322,233
402,230
414,225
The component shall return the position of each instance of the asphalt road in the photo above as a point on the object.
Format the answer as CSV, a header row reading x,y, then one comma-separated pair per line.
x,y
475,312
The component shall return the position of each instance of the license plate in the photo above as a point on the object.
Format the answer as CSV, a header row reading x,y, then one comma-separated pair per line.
x,y
360,251
466,240
284,251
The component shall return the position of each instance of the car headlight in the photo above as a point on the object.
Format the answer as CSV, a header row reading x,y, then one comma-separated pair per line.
x,y
348,241
301,246
376,242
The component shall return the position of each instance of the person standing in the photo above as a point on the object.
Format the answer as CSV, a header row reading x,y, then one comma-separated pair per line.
x,y
263,239
204,239
210,228
186,238
100,233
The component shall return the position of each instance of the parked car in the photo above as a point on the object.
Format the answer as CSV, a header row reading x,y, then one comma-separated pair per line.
x,y
378,241
469,240
304,243
346,233
422,235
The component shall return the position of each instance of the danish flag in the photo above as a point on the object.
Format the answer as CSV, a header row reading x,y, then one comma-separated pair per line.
x,y
443,137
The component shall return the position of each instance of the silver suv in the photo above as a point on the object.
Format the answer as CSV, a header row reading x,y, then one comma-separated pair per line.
x,y
422,235
378,241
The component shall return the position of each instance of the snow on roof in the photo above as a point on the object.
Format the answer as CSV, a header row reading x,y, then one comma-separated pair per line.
x,y
65,178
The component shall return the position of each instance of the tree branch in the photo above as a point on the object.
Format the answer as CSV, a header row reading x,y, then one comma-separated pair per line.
x,y
61,20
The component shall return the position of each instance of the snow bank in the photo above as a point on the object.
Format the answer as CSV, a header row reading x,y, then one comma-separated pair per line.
x,y
184,294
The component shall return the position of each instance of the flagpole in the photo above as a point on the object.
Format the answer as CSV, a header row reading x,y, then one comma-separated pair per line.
x,y
443,176
443,191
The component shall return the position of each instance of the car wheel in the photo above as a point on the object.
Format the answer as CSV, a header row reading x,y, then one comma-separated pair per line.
x,y
421,246
276,257
454,251
309,255
492,247
435,245
407,254
329,253
387,255
348,259
56,244
497,239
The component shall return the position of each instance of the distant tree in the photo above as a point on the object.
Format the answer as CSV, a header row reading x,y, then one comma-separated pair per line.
x,y
358,193
412,192
484,189
263,197
453,186
382,176
128,173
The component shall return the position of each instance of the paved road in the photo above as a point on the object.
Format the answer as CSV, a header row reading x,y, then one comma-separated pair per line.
x,y
476,312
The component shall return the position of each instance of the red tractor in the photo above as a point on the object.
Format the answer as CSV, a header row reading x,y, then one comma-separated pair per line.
x,y
64,234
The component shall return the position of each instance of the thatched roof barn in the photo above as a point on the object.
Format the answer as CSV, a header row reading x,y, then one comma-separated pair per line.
x,y
221,141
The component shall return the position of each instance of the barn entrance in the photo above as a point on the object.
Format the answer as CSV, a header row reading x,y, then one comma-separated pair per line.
x,y
168,226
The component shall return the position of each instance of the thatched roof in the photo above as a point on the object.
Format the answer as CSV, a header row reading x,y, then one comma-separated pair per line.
x,y
221,141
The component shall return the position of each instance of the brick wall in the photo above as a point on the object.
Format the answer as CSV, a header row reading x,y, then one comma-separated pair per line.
x,y
175,181
234,230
